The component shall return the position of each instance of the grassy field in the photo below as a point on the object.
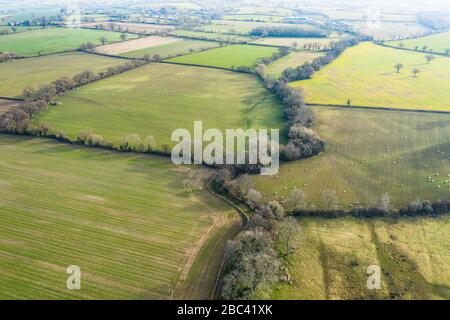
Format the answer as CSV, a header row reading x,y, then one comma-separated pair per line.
x,y
211,36
289,42
159,98
8,29
183,46
244,27
365,74
229,56
34,72
44,41
292,60
370,153
332,257
124,219
437,42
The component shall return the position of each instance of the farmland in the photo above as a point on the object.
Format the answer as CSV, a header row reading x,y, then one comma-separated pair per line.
x,y
136,103
289,42
183,46
439,42
332,257
368,154
125,220
377,83
211,36
128,27
390,30
6,105
52,40
229,56
34,72
292,60
136,44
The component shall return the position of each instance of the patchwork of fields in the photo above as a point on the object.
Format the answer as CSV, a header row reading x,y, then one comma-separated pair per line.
x,y
439,42
125,220
159,98
180,47
228,57
332,258
366,75
52,40
368,154
35,72
128,27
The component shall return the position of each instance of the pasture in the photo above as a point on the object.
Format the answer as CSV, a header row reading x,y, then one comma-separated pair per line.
x,y
228,56
244,27
136,44
366,75
180,47
370,153
44,41
292,60
124,219
332,257
159,98
439,42
34,72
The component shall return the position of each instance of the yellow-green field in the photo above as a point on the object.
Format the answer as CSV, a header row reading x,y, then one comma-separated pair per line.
x,y
438,42
365,74
370,153
228,57
159,98
332,258
33,72
292,60
124,219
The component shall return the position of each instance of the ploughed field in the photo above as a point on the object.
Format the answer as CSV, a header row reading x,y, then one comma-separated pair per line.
x,y
370,153
366,75
124,219
44,41
158,98
16,75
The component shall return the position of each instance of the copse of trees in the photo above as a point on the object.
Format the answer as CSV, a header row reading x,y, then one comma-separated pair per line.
x,y
8,56
288,31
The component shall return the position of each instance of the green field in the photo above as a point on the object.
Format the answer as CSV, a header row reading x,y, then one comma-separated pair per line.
x,y
45,41
289,42
124,219
365,74
18,74
159,98
370,153
292,60
229,56
386,30
8,29
437,42
211,36
183,46
332,258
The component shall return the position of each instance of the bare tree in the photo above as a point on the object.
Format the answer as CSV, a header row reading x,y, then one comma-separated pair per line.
x,y
296,199
415,71
329,198
288,231
429,58
123,36
103,40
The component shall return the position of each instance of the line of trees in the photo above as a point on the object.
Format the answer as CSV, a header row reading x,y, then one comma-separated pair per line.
x,y
288,31
8,56
18,119
306,70
254,259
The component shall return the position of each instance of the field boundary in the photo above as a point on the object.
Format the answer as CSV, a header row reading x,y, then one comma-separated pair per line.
x,y
12,99
109,55
412,50
196,65
340,106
